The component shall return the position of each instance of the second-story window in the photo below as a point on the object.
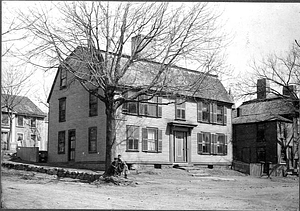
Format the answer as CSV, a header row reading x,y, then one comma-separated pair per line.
x,y
180,109
62,110
20,121
203,111
63,78
144,106
33,122
93,104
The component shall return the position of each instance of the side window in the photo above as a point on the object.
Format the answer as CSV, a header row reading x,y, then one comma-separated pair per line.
x,y
63,78
132,138
62,110
61,142
20,121
93,104
92,139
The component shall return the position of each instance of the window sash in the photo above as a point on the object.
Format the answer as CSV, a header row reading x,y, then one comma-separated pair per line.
x,y
20,121
63,78
93,105
61,142
132,137
62,110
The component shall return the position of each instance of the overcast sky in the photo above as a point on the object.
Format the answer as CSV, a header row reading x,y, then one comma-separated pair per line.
x,y
258,29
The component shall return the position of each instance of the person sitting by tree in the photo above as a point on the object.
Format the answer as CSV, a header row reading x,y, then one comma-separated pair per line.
x,y
113,169
122,167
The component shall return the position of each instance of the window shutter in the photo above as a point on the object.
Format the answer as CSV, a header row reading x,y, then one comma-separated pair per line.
x,y
144,139
213,144
214,115
159,147
210,112
199,111
159,107
199,139
225,116
225,146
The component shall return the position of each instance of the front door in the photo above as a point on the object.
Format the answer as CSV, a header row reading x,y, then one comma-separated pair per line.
x,y
72,142
180,152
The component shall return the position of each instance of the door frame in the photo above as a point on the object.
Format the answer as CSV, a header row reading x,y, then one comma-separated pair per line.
x,y
184,147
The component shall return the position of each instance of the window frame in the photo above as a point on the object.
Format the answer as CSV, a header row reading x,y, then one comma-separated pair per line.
x,y
6,118
62,111
93,104
131,138
92,139
33,122
260,133
18,121
157,140
61,149
180,109
63,78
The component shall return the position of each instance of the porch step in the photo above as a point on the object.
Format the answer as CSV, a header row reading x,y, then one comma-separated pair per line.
x,y
183,166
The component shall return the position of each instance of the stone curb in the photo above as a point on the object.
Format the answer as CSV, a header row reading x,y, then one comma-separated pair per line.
x,y
59,172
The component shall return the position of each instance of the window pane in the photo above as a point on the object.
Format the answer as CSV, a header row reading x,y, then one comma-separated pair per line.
x,y
33,122
61,142
152,109
220,114
132,134
93,139
132,108
5,119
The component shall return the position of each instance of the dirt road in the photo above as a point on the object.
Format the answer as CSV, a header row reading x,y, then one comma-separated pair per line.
x,y
155,189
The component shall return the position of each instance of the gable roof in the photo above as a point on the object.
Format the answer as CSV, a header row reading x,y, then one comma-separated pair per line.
x,y
21,105
264,110
142,72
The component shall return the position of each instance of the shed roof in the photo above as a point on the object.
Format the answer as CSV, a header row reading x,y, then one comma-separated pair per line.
x,y
264,110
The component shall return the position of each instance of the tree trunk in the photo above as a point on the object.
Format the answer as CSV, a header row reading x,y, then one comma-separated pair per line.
x,y
110,133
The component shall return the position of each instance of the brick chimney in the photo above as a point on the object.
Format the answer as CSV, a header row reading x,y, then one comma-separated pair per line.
x,y
263,88
289,90
147,51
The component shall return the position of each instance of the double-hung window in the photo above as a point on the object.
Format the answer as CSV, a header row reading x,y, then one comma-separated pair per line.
x,y
180,109
93,104
20,121
92,140
63,78
152,140
203,111
61,142
212,144
62,110
261,132
132,138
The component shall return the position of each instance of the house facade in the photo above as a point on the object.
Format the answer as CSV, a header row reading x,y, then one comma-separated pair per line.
x,y
23,125
195,131
263,133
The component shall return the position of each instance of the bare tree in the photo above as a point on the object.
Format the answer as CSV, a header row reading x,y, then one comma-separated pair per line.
x,y
13,85
101,33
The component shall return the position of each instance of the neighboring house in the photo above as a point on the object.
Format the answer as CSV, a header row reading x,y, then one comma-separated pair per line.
x,y
263,133
197,131
29,126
